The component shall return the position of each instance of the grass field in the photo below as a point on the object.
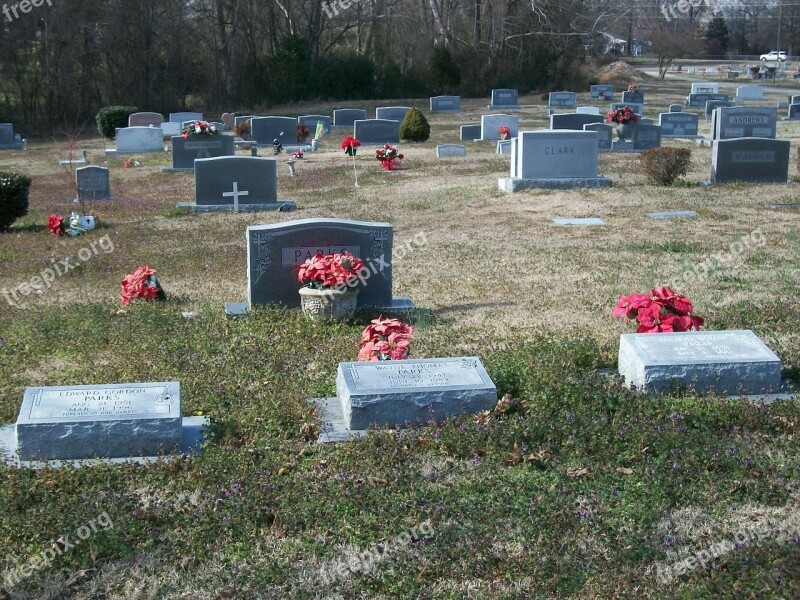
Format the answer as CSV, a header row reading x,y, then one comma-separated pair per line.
x,y
575,487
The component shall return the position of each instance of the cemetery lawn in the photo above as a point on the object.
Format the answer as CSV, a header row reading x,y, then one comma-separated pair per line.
x,y
573,487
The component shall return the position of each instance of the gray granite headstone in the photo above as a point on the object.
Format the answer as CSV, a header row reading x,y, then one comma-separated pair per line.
x,y
562,100
346,117
795,100
573,120
447,150
595,90
732,362
186,150
794,112
504,98
646,136
705,87
243,182
749,92
469,132
491,123
758,160
445,103
133,140
678,124
266,129
635,107
713,105
392,113
605,134
311,121
93,183
587,110
377,131
675,108
182,117
635,97
114,421
406,392
745,121
170,129
698,100
8,139
145,119
275,251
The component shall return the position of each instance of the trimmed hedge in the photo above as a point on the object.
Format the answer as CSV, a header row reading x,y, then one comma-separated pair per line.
x,y
13,198
415,127
111,117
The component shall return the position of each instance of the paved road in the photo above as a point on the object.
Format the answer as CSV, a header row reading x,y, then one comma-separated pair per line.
x,y
726,83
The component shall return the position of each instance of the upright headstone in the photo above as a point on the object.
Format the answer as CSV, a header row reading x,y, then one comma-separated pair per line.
x,y
265,130
182,117
448,150
8,139
145,119
490,125
275,251
311,121
469,132
636,108
574,121
699,100
132,140
504,98
602,92
757,160
239,183
587,110
678,124
733,362
745,121
605,134
705,87
346,117
186,150
633,97
99,421
377,131
228,120
675,108
554,159
93,183
503,147
170,129
713,105
445,103
562,100
746,93
646,136
391,113
794,112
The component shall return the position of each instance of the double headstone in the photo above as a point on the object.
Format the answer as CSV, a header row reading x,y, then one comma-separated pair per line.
x,y
601,92
757,160
574,121
745,93
377,131
678,124
93,183
698,100
744,122
346,117
504,98
705,87
275,251
562,100
131,140
238,183
555,159
490,126
186,150
445,103
391,113
265,130
182,117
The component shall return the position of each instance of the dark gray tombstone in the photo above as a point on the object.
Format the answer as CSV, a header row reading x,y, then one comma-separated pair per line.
x,y
713,105
605,134
445,103
745,122
8,139
758,160
675,108
266,129
377,131
311,121
275,251
346,117
186,150
678,124
646,136
699,100
93,183
573,120
562,100
470,132
504,98
794,112
636,97
604,92
392,113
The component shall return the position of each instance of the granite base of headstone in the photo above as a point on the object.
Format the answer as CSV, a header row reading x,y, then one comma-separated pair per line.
x,y
76,425
734,362
404,393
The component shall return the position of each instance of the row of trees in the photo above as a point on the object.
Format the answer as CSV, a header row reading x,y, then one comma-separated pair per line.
x,y
64,60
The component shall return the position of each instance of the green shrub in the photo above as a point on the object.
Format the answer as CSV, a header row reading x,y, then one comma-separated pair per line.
x,y
415,127
111,117
13,198
665,165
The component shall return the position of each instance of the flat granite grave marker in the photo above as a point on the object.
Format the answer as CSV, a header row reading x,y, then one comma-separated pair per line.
x,y
93,183
346,117
732,362
239,183
445,103
504,98
405,392
105,421
448,150
274,251
672,214
757,160
579,221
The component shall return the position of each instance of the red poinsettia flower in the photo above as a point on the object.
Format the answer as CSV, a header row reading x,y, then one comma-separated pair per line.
x,y
385,339
332,271
55,223
628,306
141,284
663,309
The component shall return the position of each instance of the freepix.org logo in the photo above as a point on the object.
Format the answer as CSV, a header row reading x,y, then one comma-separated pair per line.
x,y
673,10
23,7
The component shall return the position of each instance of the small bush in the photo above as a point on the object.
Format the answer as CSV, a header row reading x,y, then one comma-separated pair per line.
x,y
415,127
111,117
665,165
13,198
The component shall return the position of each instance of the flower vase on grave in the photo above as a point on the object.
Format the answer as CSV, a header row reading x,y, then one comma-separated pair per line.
x,y
625,130
328,304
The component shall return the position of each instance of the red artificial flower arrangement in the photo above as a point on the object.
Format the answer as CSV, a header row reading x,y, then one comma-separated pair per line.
x,y
141,284
385,339
199,128
332,271
388,156
622,115
662,310
349,145
504,131
633,87
55,223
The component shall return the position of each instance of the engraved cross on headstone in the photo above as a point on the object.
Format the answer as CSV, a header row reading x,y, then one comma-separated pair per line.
x,y
235,195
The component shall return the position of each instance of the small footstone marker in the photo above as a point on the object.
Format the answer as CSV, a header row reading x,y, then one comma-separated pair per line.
x,y
672,214
235,195
581,221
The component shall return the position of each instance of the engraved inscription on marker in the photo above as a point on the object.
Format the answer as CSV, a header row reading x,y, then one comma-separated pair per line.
x,y
291,257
